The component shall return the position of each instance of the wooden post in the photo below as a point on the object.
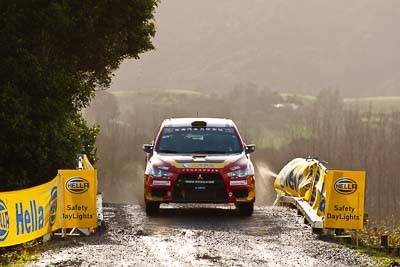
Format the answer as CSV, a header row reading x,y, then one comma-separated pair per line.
x,y
384,241
356,238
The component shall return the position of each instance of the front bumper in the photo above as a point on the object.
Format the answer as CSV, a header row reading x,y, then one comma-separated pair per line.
x,y
199,186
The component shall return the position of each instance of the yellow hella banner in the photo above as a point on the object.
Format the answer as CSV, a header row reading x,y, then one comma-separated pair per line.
x,y
79,198
344,199
29,214
68,201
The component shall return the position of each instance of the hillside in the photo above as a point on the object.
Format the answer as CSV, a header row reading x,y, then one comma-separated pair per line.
x,y
285,45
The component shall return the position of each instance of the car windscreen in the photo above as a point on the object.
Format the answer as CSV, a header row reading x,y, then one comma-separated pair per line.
x,y
207,140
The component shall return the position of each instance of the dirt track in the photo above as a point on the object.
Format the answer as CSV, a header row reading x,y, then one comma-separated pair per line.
x,y
199,236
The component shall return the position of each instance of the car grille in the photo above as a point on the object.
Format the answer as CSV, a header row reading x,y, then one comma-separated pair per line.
x,y
203,187
158,192
240,193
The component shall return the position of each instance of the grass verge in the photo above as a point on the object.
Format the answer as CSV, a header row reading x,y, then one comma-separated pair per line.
x,y
19,255
370,244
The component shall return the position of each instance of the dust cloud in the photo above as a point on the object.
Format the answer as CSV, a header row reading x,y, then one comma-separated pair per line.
x,y
126,187
265,194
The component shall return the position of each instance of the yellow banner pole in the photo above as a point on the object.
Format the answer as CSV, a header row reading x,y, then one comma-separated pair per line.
x,y
61,205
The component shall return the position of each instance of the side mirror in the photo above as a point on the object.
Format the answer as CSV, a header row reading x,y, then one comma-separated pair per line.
x,y
250,148
148,148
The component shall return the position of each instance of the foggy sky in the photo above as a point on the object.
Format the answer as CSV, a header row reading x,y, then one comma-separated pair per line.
x,y
290,46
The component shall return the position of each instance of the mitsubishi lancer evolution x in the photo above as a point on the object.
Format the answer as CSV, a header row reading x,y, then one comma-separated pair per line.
x,y
199,160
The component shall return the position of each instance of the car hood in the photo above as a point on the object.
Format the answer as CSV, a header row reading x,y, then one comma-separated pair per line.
x,y
199,161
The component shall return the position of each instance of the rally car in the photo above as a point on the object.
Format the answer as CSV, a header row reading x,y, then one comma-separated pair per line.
x,y
199,160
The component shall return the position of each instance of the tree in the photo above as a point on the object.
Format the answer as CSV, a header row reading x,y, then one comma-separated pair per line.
x,y
54,54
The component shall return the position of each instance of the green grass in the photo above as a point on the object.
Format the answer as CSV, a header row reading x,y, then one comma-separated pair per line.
x,y
181,92
376,99
304,98
17,256
155,92
123,93
369,243
377,104
379,256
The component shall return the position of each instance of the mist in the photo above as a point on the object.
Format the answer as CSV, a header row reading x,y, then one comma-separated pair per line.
x,y
293,76
288,46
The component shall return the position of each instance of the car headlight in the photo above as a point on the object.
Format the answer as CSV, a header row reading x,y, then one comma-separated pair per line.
x,y
240,173
160,173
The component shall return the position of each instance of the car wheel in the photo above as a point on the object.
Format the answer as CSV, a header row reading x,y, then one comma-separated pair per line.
x,y
152,208
245,209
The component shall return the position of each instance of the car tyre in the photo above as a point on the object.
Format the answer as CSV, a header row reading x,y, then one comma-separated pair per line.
x,y
245,209
152,208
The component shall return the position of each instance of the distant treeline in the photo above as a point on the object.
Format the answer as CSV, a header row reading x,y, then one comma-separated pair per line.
x,y
283,127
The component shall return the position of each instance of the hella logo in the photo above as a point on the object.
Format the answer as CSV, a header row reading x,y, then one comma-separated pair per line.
x,y
53,205
345,186
77,185
4,221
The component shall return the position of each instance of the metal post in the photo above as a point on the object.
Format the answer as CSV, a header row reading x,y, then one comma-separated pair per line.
x,y
79,164
61,204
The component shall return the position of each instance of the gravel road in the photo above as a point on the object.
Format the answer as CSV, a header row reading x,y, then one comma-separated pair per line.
x,y
206,235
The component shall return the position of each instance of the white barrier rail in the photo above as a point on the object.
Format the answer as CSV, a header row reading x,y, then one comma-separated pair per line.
x,y
305,209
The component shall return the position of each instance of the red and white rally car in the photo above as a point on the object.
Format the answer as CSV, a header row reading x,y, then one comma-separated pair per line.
x,y
199,160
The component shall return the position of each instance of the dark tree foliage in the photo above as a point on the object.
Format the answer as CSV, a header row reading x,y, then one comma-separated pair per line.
x,y
53,56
